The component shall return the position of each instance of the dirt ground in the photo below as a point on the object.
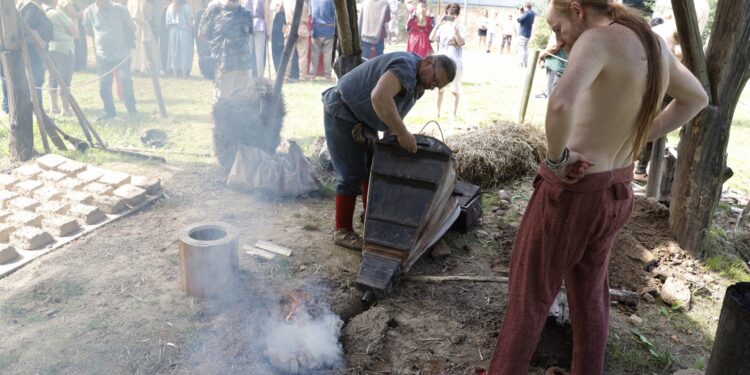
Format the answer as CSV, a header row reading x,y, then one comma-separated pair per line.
x,y
111,303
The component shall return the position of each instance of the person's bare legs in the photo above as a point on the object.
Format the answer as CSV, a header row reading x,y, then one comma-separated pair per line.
x,y
439,102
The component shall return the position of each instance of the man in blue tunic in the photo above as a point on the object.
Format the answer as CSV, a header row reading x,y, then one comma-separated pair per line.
x,y
373,97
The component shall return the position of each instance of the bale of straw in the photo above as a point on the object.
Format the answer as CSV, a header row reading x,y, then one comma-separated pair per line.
x,y
246,118
498,153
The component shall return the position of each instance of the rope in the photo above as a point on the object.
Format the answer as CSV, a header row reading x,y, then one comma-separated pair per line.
x,y
438,126
89,82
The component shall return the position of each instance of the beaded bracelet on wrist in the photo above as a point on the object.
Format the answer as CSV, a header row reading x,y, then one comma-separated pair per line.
x,y
557,164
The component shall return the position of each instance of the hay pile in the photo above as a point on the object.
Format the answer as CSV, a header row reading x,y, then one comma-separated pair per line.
x,y
246,119
498,153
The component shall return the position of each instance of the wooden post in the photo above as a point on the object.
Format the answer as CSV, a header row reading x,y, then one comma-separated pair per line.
x,y
20,109
731,351
153,71
527,88
667,176
655,168
699,174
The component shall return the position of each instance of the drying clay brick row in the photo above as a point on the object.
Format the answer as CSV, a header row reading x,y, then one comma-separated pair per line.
x,y
47,194
6,196
5,232
151,185
110,204
71,168
131,193
28,187
87,214
53,208
22,204
60,225
51,161
7,254
7,181
52,176
115,179
28,171
30,238
25,219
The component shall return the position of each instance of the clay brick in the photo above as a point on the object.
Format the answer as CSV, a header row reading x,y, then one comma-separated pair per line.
x,y
28,187
6,196
46,194
87,214
23,204
30,238
60,226
8,254
69,184
7,181
71,168
110,204
90,175
25,219
53,208
78,197
28,171
51,161
98,188
52,176
5,232
115,179
131,193
4,215
150,184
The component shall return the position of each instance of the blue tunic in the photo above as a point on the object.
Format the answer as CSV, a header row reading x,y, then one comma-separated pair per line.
x,y
350,98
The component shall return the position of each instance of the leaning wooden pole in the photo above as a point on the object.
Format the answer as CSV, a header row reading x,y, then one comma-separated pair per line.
x,y
38,111
21,137
347,32
701,166
527,89
153,71
291,42
655,168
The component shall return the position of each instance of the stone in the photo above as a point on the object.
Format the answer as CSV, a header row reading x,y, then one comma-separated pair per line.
x,y
78,197
7,181
110,204
87,214
131,193
5,232
60,226
23,204
31,238
648,298
71,168
52,176
69,184
28,171
150,184
8,254
504,205
98,188
6,196
504,196
28,187
635,320
115,179
4,215
90,175
51,161
54,208
46,194
440,250
25,219
675,292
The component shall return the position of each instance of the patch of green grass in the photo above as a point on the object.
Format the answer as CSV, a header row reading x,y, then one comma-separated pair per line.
x,y
70,289
7,360
311,227
731,269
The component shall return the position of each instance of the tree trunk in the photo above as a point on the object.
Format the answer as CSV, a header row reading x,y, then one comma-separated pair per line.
x,y
19,102
667,177
731,352
19,98
348,35
703,146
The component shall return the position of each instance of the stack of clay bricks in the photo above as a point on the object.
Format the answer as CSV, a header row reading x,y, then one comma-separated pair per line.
x,y
55,197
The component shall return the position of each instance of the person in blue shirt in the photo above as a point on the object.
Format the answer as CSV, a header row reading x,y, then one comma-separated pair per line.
x,y
526,21
323,22
373,97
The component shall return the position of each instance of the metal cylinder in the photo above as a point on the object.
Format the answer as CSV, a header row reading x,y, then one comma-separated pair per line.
x,y
209,259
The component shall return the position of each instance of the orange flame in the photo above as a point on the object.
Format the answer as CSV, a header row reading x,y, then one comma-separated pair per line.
x,y
298,298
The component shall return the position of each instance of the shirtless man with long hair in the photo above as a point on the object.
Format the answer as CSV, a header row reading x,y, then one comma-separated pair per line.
x,y
605,107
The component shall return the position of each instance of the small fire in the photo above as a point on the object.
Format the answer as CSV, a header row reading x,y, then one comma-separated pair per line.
x,y
305,337
298,299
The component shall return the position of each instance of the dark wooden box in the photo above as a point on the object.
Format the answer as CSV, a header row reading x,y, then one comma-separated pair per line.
x,y
469,199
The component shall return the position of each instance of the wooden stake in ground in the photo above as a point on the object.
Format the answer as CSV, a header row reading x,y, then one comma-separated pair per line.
x,y
655,169
153,71
287,54
527,88
731,351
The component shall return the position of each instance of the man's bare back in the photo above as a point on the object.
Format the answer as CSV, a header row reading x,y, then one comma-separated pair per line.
x,y
594,110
